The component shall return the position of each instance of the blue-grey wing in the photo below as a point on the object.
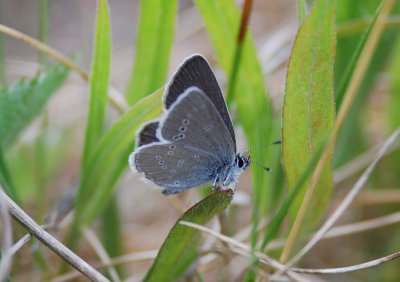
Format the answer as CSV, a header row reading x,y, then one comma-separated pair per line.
x,y
194,122
174,167
196,71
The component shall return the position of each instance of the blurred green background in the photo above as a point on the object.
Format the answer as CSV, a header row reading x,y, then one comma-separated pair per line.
x,y
43,140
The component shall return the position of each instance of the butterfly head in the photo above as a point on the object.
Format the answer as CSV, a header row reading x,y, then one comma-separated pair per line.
x,y
242,162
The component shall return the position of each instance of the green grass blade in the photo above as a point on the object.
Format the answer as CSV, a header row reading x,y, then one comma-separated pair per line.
x,y
2,61
180,248
111,155
98,83
99,79
222,20
283,210
309,111
347,148
20,104
153,47
5,180
112,238
302,10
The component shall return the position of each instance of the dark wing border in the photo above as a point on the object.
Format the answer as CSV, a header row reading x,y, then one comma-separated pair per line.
x,y
147,134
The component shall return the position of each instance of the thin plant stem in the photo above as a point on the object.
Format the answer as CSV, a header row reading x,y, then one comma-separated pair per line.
x,y
6,242
345,203
48,240
101,252
116,99
238,51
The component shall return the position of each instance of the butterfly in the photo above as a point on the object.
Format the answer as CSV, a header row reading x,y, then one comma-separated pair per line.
x,y
194,142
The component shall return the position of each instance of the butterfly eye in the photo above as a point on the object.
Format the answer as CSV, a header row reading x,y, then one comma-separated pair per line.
x,y
239,162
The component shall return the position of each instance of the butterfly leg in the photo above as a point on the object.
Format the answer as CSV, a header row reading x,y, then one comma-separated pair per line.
x,y
236,186
214,184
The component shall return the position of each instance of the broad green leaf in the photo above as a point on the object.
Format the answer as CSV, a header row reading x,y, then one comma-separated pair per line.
x,y
222,20
153,47
180,248
21,103
111,155
98,83
309,111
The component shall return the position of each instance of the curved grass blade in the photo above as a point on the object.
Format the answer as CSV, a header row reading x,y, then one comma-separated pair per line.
x,y
111,155
180,248
283,210
98,82
153,47
347,47
309,112
344,82
5,180
302,10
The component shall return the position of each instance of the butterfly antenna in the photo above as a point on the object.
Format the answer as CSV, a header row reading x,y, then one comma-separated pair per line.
x,y
263,167
255,147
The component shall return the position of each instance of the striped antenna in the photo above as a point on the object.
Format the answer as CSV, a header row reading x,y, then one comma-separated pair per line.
x,y
255,147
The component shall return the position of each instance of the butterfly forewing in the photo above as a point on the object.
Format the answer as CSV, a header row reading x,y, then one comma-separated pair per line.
x,y
174,167
196,71
193,121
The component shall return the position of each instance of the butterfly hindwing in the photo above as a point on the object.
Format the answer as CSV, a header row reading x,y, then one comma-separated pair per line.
x,y
175,167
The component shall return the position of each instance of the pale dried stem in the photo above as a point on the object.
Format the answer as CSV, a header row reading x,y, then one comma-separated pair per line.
x,y
115,98
345,203
139,256
6,244
48,240
352,268
101,252
245,250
